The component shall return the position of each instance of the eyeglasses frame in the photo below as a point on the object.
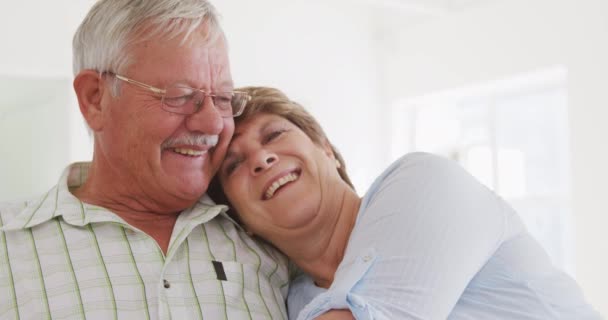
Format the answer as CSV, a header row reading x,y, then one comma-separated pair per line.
x,y
162,93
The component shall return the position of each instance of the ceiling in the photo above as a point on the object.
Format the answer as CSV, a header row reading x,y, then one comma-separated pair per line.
x,y
406,13
396,16
424,7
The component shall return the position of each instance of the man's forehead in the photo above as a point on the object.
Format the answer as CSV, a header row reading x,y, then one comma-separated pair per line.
x,y
196,67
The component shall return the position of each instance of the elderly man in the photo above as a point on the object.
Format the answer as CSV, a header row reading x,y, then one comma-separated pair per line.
x,y
131,234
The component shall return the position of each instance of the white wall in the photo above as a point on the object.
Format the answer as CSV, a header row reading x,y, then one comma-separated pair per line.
x,y
506,38
37,36
40,126
35,139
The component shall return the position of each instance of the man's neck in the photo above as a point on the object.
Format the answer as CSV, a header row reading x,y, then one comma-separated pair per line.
x,y
138,211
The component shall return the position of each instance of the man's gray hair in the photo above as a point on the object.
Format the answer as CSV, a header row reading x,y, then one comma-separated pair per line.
x,y
104,37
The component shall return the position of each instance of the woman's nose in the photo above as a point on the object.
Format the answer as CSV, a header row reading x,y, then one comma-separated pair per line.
x,y
265,160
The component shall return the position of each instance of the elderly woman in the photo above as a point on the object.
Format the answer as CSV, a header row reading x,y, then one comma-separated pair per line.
x,y
427,241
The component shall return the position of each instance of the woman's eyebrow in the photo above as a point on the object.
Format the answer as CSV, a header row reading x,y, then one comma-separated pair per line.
x,y
238,135
229,155
267,124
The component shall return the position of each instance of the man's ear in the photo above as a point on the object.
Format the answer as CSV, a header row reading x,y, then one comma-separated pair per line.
x,y
89,89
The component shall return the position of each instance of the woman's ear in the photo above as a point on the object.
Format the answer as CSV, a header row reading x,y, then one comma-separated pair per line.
x,y
328,149
89,89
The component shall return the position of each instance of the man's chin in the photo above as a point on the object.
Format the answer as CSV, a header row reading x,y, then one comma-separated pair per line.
x,y
192,191
188,183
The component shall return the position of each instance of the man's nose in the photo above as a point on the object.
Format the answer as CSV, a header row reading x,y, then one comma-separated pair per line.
x,y
207,119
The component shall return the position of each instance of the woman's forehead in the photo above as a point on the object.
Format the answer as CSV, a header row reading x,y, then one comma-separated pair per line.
x,y
258,122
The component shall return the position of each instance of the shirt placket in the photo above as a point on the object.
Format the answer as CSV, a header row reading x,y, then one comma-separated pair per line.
x,y
169,286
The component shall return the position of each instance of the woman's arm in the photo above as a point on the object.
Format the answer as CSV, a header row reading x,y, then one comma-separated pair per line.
x,y
433,227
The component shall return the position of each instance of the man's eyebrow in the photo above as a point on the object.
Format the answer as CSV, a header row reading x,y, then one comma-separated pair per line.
x,y
189,83
225,84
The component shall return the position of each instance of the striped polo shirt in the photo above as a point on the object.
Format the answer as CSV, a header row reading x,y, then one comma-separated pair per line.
x,y
61,258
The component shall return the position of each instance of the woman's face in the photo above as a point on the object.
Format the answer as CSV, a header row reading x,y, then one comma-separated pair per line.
x,y
275,176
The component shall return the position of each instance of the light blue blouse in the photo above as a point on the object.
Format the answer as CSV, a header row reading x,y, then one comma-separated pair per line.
x,y
430,242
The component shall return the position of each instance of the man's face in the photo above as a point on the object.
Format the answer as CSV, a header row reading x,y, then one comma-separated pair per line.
x,y
146,148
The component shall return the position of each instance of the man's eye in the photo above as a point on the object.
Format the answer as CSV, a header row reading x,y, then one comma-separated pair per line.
x,y
177,101
223,97
223,101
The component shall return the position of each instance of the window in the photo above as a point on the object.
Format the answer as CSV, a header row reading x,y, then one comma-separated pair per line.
x,y
512,135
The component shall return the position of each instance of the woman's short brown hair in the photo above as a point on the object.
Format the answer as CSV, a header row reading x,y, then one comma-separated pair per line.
x,y
273,101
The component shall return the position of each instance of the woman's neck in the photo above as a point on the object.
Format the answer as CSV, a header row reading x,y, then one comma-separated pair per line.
x,y
320,250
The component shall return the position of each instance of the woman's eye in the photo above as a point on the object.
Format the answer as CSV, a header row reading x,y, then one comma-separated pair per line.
x,y
232,166
273,135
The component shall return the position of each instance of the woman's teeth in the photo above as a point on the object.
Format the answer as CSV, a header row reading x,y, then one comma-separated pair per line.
x,y
279,183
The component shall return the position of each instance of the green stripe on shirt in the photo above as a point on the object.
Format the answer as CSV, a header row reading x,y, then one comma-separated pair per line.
x,y
187,248
257,273
102,263
11,280
40,276
71,266
139,278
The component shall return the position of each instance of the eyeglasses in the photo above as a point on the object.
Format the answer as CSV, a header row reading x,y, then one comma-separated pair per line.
x,y
184,100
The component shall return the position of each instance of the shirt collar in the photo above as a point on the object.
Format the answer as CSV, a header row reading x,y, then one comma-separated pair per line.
x,y
59,201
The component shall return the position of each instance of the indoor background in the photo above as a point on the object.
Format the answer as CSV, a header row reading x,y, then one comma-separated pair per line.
x,y
514,90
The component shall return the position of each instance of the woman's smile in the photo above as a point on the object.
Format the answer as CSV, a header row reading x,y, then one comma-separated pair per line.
x,y
279,182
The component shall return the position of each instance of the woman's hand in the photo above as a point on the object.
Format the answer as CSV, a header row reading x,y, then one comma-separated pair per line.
x,y
342,314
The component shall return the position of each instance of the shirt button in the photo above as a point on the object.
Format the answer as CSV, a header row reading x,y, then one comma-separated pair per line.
x,y
367,258
166,284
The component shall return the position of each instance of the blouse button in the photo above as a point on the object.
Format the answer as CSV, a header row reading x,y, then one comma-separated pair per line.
x,y
166,284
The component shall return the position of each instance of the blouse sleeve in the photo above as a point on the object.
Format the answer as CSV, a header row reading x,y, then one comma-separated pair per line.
x,y
425,228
